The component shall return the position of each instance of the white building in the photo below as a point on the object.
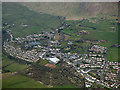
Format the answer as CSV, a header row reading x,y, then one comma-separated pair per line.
x,y
88,85
54,60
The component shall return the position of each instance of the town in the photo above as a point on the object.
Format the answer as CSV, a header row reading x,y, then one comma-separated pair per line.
x,y
92,65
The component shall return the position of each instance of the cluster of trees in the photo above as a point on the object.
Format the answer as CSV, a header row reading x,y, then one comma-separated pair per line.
x,y
55,77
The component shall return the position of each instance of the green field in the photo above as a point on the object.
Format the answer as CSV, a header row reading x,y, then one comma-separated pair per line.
x,y
6,61
15,67
113,54
19,81
11,65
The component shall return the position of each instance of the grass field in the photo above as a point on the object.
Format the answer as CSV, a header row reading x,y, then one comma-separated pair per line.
x,y
19,81
5,60
15,67
113,54
11,65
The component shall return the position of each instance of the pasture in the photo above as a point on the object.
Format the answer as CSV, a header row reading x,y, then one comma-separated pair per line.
x,y
19,81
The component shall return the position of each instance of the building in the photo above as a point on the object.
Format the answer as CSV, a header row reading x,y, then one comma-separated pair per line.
x,y
88,85
54,60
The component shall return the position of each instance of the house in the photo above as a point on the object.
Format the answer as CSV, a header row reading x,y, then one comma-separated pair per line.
x,y
88,85
70,42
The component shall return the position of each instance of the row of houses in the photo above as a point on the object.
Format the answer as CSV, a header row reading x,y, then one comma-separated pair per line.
x,y
98,49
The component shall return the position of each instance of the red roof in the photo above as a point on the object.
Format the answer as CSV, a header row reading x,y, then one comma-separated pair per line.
x,y
50,65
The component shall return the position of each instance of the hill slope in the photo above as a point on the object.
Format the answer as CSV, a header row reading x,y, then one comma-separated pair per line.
x,y
74,9
14,13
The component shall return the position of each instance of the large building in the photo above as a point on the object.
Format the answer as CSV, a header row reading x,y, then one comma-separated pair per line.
x,y
54,60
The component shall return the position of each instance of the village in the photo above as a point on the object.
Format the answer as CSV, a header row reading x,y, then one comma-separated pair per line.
x,y
42,46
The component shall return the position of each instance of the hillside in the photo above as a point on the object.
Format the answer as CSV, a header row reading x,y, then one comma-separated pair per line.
x,y
74,10
19,15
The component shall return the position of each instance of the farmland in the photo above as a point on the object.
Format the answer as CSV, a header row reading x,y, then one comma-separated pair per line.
x,y
98,31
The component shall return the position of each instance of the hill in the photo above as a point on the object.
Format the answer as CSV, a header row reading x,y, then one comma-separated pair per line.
x,y
27,21
75,10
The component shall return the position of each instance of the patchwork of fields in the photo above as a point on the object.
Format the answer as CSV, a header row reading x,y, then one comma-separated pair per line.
x,y
105,30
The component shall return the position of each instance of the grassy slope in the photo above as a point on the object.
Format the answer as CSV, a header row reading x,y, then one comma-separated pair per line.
x,y
14,13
